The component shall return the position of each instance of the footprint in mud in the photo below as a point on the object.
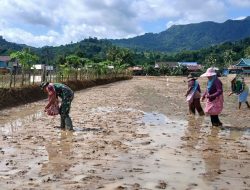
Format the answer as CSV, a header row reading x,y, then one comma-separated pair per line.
x,y
120,188
162,185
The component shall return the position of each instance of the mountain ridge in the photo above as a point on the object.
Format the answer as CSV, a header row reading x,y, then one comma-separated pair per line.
x,y
191,36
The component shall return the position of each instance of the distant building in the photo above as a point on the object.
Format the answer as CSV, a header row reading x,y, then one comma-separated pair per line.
x,y
241,67
42,67
191,66
6,64
38,67
3,62
136,70
166,64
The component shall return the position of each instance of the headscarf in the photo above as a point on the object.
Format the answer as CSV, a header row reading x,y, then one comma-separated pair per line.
x,y
211,82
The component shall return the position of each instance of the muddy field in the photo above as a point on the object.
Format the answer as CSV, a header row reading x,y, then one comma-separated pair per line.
x,y
132,134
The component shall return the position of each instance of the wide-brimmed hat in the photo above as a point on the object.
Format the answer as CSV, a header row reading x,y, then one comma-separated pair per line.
x,y
191,76
231,77
210,72
44,84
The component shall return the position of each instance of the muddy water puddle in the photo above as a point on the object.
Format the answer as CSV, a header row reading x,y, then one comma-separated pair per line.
x,y
13,126
157,161
178,155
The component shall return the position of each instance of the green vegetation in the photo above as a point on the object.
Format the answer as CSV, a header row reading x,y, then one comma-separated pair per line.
x,y
90,51
89,59
26,59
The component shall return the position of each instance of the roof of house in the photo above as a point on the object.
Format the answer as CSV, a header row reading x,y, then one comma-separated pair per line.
x,y
243,63
135,68
188,63
194,67
5,58
169,64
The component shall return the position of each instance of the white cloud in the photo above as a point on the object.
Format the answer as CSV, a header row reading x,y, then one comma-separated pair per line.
x,y
240,3
23,37
155,9
197,11
240,18
71,20
56,22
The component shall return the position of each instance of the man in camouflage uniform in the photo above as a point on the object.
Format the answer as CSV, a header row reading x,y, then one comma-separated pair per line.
x,y
56,90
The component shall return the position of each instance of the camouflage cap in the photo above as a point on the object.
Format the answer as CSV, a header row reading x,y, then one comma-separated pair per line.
x,y
44,84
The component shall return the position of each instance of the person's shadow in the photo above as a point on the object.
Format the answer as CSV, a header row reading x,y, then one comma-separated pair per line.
x,y
59,153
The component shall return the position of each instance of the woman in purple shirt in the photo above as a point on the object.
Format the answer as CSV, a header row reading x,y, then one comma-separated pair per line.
x,y
214,96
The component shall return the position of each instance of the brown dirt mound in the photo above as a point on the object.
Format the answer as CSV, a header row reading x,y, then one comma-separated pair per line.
x,y
17,96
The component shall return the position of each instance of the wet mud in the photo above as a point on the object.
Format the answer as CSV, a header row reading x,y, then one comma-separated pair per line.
x,y
134,134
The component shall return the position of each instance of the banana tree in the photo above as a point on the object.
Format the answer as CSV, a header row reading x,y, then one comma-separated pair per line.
x,y
103,68
88,68
64,71
73,61
26,59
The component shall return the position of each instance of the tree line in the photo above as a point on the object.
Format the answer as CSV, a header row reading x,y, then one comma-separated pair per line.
x,y
99,54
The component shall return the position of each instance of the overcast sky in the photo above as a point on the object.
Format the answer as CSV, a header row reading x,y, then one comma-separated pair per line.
x,y
58,22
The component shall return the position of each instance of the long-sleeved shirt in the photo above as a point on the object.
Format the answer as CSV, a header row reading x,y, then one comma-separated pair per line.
x,y
237,86
191,84
215,91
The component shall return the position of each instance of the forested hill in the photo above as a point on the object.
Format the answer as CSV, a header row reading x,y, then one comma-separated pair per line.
x,y
190,36
7,47
91,48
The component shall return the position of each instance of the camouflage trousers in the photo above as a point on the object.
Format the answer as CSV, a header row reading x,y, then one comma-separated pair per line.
x,y
64,113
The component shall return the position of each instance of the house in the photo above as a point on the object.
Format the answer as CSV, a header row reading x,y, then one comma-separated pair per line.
x,y
242,67
41,67
136,70
191,66
40,71
7,64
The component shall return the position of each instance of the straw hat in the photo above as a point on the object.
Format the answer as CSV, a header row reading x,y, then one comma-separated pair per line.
x,y
191,76
210,72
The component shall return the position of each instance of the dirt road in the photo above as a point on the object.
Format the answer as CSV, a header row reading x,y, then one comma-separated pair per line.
x,y
133,134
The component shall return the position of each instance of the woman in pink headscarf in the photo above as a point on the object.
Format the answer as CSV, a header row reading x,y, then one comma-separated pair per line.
x,y
214,96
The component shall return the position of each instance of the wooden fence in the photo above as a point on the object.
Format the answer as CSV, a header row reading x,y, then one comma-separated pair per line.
x,y
31,77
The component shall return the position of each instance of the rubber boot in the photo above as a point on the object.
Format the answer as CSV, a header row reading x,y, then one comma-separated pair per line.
x,y
62,125
68,123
